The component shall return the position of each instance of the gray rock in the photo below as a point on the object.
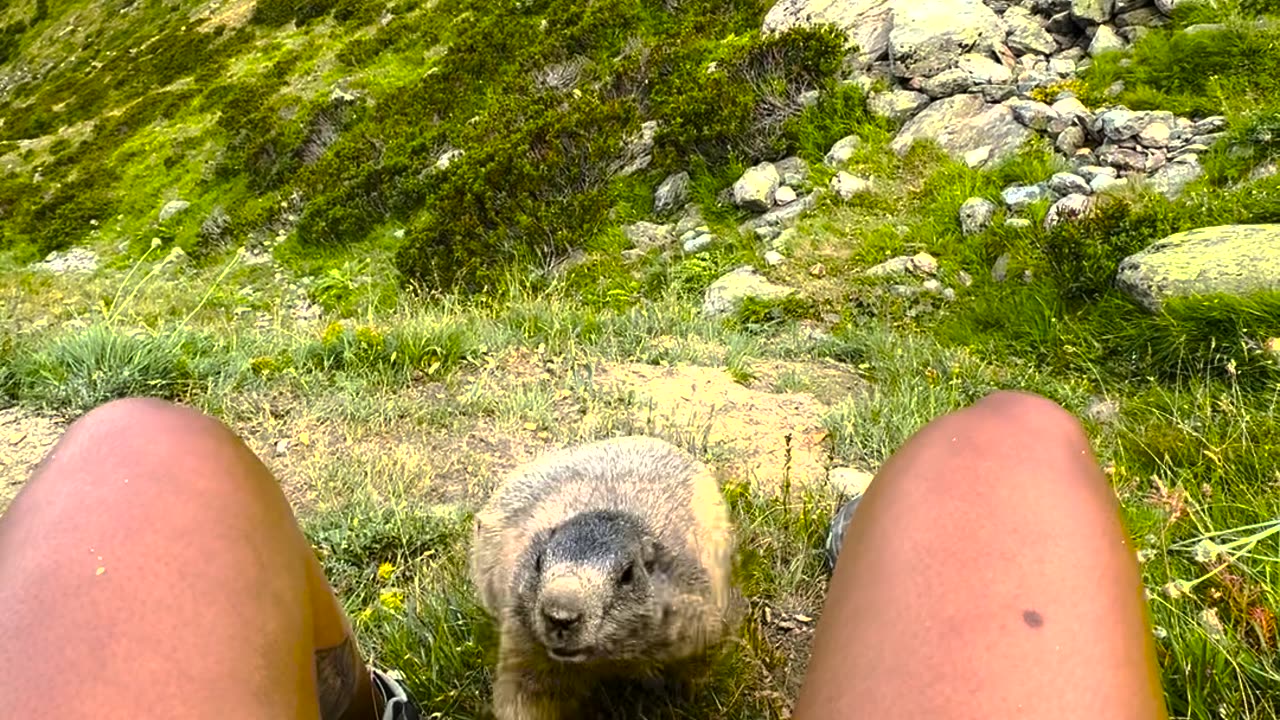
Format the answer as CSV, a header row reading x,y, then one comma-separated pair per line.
x,y
1089,172
1167,6
1062,67
794,170
1210,125
784,195
866,23
672,193
1173,178
846,186
1142,17
964,278
1232,260
921,264
645,235
1026,33
1155,135
1019,197
1072,109
172,208
1123,158
780,217
927,38
754,190
691,219
977,158
1074,52
725,295
1065,183
1000,270
997,93
897,105
1121,124
1070,140
842,150
638,150
446,159
1036,115
948,294
1061,23
698,243
1105,183
1093,11
1106,40
962,123
773,258
947,83
983,70
932,285
1070,207
976,215
73,260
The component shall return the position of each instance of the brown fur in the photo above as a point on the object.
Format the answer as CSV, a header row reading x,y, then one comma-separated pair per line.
x,y
679,504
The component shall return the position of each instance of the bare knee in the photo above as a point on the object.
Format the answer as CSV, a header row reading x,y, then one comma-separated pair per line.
x,y
189,452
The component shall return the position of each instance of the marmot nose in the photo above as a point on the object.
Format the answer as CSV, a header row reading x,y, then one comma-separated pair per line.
x,y
561,619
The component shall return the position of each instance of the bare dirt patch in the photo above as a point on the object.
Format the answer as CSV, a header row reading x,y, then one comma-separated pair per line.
x,y
762,436
25,438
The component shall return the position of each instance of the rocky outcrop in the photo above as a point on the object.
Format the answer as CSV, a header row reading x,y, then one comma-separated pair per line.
x,y
929,37
865,22
1230,259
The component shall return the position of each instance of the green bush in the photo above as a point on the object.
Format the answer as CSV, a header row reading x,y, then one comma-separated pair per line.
x,y
534,184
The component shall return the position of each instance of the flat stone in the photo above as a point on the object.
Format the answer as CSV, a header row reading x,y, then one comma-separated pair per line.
x,y
978,157
773,258
962,123
921,264
1072,109
1103,183
1089,172
1173,178
983,70
897,105
1019,197
1233,260
947,83
997,93
1155,135
1062,67
726,294
784,195
1036,115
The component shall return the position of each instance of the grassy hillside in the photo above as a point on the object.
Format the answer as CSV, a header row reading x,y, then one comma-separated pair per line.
x,y
390,335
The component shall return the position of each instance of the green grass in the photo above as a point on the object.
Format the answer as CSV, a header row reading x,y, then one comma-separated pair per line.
x,y
402,380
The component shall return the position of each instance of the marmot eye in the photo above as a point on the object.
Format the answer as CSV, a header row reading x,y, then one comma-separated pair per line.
x,y
628,574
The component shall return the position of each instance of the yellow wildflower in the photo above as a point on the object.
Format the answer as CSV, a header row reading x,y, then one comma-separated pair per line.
x,y
392,599
385,570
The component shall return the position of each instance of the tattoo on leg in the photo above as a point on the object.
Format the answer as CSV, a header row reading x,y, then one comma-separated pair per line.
x,y
336,679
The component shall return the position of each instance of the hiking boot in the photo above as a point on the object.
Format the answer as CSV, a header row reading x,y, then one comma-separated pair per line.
x,y
835,532
395,700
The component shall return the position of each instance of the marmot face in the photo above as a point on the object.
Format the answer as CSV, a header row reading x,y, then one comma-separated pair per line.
x,y
588,592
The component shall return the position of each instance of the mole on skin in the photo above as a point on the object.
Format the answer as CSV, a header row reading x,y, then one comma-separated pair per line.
x,y
1032,618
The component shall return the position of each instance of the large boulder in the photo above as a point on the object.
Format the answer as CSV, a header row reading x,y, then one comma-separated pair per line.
x,y
1027,34
866,23
1225,259
964,123
928,38
725,295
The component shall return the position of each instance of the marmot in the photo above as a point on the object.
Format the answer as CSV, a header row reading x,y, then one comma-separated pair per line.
x,y
607,559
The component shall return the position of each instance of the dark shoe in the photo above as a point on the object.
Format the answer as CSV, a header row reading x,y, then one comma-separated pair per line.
x,y
396,703
835,533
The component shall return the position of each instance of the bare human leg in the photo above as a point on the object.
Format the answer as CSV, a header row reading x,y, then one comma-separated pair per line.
x,y
986,574
152,568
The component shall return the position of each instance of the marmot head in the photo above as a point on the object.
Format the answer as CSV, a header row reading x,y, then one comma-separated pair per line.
x,y
592,588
